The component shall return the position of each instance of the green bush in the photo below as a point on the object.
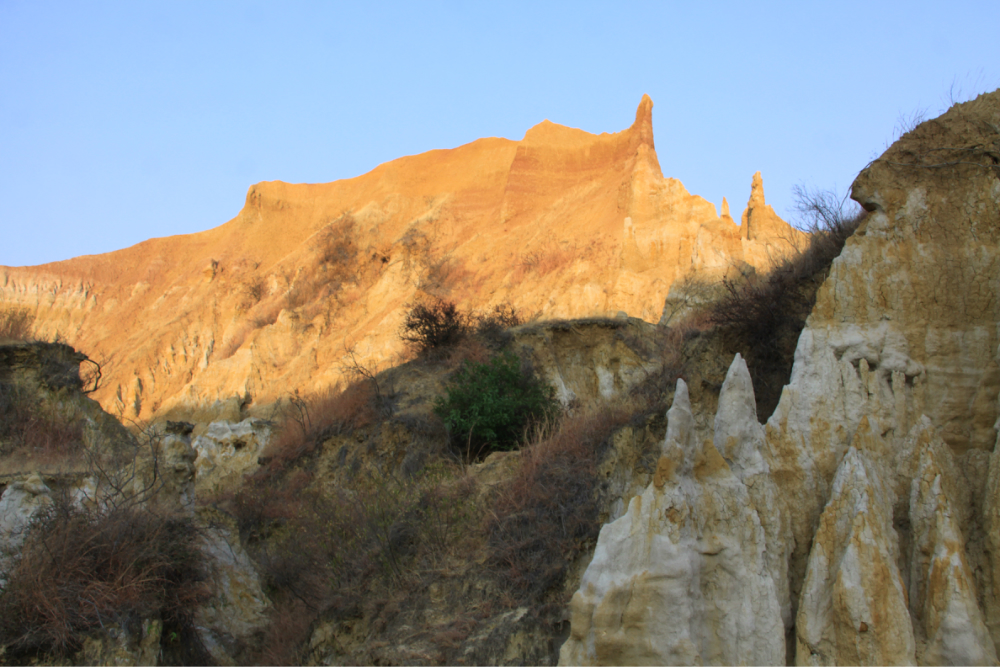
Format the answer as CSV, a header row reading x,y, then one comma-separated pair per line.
x,y
488,405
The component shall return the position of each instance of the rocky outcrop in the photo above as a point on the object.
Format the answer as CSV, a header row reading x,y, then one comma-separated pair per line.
x,y
684,576
853,606
156,470
20,502
587,361
228,621
873,491
227,451
560,224
943,592
765,237
904,336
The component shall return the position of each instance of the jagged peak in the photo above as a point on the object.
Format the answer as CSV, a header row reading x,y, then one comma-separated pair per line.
x,y
643,125
757,191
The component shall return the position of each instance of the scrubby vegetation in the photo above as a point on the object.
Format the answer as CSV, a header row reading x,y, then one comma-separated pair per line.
x,y
367,541
488,405
547,513
371,548
433,327
307,422
83,569
762,316
36,432
330,552
376,506
106,561
16,325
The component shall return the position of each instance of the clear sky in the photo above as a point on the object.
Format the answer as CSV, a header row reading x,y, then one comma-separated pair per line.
x,y
121,121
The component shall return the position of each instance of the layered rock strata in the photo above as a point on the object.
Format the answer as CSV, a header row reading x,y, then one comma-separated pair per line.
x,y
308,280
874,489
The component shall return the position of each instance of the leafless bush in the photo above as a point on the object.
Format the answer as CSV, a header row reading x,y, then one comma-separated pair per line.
x,y
16,324
34,432
328,552
335,244
491,326
548,512
765,314
432,327
253,290
117,559
288,628
307,422
429,262
337,251
906,122
80,570
354,367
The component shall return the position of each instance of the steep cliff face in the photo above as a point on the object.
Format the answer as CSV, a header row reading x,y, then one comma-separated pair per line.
x,y
562,223
875,482
904,336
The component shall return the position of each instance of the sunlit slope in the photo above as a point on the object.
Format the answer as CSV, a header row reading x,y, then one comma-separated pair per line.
x,y
560,224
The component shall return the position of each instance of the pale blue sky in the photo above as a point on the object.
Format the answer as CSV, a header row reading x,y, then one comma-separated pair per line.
x,y
124,121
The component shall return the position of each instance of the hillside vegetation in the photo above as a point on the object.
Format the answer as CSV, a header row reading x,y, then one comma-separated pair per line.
x,y
440,511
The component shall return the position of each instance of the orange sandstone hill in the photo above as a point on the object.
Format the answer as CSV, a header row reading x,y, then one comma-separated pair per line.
x,y
560,224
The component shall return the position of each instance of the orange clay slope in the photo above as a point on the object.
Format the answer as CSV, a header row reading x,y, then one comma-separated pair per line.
x,y
560,224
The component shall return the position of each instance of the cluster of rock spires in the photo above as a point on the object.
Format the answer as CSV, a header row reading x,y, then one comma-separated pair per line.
x,y
860,525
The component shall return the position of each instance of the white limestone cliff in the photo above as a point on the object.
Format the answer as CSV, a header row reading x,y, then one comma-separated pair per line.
x,y
868,507
682,577
853,606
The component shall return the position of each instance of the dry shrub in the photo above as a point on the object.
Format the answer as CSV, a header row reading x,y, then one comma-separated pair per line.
x,y
16,325
547,513
80,570
764,315
441,274
336,247
434,327
307,422
491,326
251,292
428,262
439,330
549,258
289,623
32,431
329,553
